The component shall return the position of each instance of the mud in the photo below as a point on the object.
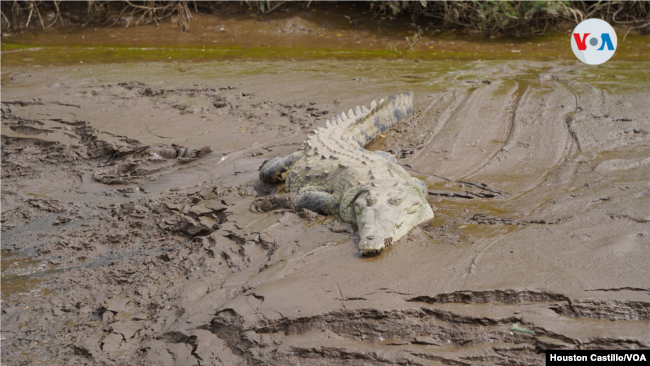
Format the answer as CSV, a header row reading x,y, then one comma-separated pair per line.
x,y
135,230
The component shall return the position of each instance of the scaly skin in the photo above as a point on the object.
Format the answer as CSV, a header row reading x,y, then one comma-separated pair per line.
x,y
334,174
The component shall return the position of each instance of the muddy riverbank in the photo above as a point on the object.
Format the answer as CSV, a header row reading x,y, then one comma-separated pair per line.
x,y
169,259
135,229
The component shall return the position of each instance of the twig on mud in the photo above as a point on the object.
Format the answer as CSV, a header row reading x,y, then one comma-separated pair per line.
x,y
130,17
39,17
108,13
31,10
342,297
147,7
275,7
118,18
6,19
629,29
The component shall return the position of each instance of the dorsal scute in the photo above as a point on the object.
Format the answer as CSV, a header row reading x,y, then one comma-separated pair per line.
x,y
382,116
360,126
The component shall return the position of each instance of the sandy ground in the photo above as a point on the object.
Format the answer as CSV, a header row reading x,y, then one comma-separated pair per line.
x,y
135,229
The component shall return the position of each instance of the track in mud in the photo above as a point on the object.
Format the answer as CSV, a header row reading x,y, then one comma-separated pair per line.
x,y
152,241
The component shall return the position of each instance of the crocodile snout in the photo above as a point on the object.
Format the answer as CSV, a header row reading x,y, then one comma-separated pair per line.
x,y
372,245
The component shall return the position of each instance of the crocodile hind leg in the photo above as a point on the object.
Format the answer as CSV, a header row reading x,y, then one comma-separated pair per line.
x,y
321,202
275,170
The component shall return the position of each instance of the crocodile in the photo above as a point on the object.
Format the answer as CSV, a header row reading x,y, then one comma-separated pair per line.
x,y
333,174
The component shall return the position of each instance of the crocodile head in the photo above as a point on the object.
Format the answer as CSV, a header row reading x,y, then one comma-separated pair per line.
x,y
385,215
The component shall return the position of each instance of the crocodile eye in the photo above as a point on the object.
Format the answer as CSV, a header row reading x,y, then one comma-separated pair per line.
x,y
414,208
395,201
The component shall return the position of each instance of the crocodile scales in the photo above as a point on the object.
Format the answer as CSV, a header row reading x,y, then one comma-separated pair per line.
x,y
334,175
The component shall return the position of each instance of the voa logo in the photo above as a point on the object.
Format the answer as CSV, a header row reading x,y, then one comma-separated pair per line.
x,y
593,41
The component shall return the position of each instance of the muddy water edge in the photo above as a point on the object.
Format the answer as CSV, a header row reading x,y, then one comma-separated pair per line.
x,y
135,229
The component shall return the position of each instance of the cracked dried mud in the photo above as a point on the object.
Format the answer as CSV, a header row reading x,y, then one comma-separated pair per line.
x,y
135,229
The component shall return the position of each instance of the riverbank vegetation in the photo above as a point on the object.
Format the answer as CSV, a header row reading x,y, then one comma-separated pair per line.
x,y
481,17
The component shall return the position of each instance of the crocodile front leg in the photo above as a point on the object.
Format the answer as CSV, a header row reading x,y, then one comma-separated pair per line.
x,y
317,201
275,170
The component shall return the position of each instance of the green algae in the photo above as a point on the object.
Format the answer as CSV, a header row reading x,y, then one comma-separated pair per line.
x,y
15,53
22,55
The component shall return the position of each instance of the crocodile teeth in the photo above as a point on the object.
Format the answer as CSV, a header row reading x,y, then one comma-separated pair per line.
x,y
328,124
344,117
381,101
351,114
338,119
364,109
357,111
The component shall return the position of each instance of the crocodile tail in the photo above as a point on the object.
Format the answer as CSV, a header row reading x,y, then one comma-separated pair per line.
x,y
379,119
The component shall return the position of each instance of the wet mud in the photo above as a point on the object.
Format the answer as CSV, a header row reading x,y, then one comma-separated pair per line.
x,y
135,229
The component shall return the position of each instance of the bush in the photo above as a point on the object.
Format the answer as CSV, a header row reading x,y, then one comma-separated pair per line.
x,y
490,17
486,17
